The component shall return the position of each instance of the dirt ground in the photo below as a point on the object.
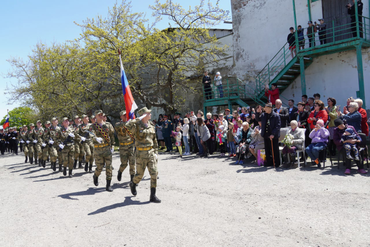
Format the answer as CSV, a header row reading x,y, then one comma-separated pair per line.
x,y
205,202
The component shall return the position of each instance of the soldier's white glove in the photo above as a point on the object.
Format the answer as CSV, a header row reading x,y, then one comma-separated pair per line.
x,y
61,146
112,150
51,142
21,141
44,145
27,142
83,138
99,139
13,138
35,141
72,135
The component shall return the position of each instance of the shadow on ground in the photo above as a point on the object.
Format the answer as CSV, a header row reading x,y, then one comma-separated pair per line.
x,y
127,202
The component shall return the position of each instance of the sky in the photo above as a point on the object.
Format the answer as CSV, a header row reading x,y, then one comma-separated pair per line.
x,y
26,23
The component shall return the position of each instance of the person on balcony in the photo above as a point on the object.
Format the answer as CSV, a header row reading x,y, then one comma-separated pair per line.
x,y
301,39
352,12
311,30
282,112
273,94
291,42
207,85
317,114
218,82
322,31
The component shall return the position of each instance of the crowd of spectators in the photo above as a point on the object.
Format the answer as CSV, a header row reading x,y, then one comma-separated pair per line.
x,y
248,133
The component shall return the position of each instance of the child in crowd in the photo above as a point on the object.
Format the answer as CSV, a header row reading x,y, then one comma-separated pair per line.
x,y
238,129
231,140
221,140
177,135
347,137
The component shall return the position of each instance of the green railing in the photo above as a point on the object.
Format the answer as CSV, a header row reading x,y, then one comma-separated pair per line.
x,y
231,88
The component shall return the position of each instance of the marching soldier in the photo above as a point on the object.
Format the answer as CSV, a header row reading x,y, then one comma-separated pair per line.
x,y
23,140
31,141
45,145
146,151
53,144
13,140
2,141
39,132
19,139
126,147
86,142
66,141
93,119
79,152
103,144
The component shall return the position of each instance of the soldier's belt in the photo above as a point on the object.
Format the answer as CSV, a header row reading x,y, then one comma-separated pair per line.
x,y
126,143
101,145
144,149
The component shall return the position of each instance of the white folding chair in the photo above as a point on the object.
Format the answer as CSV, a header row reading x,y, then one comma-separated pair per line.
x,y
303,150
283,132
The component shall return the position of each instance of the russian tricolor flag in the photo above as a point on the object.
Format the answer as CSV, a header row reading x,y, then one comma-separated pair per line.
x,y
6,124
127,95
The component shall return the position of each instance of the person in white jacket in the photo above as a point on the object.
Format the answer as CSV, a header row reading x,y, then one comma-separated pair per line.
x,y
218,83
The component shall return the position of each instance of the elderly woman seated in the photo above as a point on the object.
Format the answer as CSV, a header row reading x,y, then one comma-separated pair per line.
x,y
320,137
258,142
243,145
353,117
293,140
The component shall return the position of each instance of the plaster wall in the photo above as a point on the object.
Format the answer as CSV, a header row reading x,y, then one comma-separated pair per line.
x,y
334,76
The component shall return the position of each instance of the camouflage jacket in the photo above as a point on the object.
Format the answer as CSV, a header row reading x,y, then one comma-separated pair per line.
x,y
122,132
53,135
104,131
84,131
144,133
39,134
64,137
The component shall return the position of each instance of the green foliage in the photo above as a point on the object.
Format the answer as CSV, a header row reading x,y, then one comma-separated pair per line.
x,y
20,116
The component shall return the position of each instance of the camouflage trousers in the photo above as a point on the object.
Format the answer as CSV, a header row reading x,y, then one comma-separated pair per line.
x,y
146,159
25,150
127,155
53,154
79,152
89,151
45,152
38,151
31,150
103,156
68,153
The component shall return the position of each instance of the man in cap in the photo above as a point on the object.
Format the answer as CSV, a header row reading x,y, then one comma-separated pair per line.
x,y
23,140
13,140
103,143
146,151
126,146
66,141
31,142
39,131
44,146
52,138
79,152
93,119
270,131
86,142
2,142
167,128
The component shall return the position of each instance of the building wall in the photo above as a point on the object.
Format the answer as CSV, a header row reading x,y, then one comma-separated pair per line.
x,y
334,76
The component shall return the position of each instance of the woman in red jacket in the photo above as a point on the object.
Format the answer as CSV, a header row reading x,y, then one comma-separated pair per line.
x,y
318,113
362,111
272,94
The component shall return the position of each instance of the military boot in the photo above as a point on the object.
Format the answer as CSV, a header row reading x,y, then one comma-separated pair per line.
x,y
153,198
108,187
86,166
70,173
90,167
54,166
75,164
35,161
60,167
44,163
132,177
31,160
133,188
119,176
26,160
96,182
65,171
79,164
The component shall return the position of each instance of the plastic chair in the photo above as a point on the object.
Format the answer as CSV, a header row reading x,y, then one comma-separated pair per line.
x,y
283,132
303,150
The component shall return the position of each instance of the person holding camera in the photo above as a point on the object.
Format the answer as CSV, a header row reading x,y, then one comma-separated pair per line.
x,y
352,12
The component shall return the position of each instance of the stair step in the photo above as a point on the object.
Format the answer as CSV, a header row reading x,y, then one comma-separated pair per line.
x,y
288,76
283,81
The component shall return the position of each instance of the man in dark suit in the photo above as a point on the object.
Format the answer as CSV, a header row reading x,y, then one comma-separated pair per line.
x,y
292,110
270,131
282,112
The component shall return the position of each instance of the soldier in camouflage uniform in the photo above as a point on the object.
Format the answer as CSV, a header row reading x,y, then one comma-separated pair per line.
x,y
23,139
146,151
87,143
52,138
39,132
79,152
45,145
66,141
126,147
103,143
31,141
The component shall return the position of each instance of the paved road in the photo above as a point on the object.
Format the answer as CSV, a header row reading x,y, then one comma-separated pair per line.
x,y
205,202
